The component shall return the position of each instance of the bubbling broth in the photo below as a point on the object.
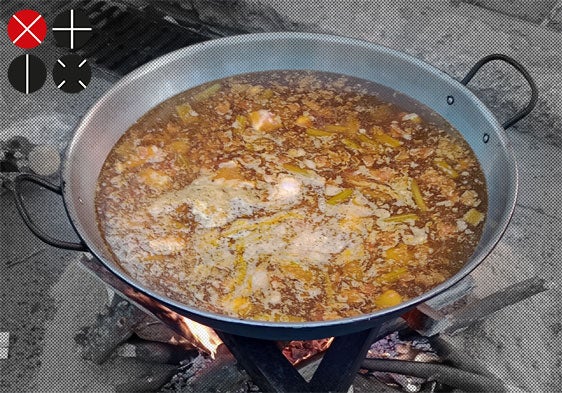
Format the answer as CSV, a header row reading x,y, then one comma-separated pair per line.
x,y
291,196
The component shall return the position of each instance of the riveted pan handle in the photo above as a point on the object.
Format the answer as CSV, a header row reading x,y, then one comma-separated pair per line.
x,y
534,91
16,189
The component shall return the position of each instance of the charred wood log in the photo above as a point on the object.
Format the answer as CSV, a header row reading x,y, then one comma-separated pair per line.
x,y
436,322
155,309
186,371
220,376
202,374
110,329
119,323
153,330
132,375
154,352
465,380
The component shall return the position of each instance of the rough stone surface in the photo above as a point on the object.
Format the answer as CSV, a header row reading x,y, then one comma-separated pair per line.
x,y
533,11
554,20
77,298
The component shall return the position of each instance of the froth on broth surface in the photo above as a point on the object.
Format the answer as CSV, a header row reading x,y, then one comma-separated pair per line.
x,y
291,196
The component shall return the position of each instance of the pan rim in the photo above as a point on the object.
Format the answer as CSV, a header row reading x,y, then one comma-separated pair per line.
x,y
247,39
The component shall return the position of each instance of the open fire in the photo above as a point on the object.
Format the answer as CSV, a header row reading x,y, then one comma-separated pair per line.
x,y
203,336
296,352
155,335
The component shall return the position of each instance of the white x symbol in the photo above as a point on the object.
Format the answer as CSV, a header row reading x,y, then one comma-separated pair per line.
x,y
26,28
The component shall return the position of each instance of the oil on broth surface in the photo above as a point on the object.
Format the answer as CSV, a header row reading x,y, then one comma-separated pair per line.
x,y
291,196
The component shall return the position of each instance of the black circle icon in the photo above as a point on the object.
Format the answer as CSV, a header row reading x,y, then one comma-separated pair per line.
x,y
72,73
27,73
72,29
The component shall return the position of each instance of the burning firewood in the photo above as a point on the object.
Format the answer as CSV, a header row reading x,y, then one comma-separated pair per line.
x,y
186,330
176,335
153,330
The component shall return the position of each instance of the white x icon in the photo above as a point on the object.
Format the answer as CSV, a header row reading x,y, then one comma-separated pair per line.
x,y
27,28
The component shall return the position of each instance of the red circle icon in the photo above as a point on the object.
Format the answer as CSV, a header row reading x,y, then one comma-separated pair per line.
x,y
27,29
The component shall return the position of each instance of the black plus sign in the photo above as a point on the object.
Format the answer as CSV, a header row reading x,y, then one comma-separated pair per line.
x,y
72,73
72,29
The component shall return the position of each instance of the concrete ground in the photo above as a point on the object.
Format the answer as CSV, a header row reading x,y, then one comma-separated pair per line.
x,y
46,297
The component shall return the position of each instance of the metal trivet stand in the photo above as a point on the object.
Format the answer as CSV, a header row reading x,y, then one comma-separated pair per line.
x,y
272,372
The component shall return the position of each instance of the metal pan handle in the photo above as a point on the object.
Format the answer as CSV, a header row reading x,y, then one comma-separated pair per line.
x,y
16,189
534,91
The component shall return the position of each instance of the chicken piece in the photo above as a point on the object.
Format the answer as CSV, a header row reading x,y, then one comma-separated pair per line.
x,y
470,198
151,153
434,179
384,174
229,171
422,152
263,120
445,230
222,108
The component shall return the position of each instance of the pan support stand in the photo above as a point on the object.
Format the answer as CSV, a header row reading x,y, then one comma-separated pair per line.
x,y
272,372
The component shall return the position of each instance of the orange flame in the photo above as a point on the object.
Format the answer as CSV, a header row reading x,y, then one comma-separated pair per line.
x,y
205,338
204,335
